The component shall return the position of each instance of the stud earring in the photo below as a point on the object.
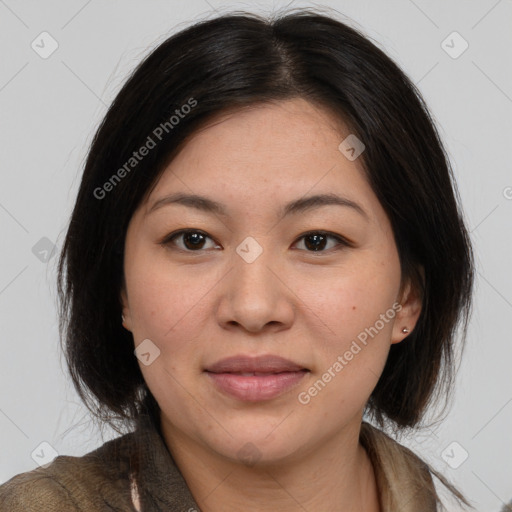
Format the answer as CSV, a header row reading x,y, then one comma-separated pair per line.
x,y
405,330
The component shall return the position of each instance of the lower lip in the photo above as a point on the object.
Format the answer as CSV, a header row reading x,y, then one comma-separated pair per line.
x,y
254,388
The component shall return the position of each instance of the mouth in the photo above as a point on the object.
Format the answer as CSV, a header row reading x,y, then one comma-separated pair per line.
x,y
255,379
251,365
254,374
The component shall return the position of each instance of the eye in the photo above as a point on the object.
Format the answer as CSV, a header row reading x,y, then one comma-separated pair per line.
x,y
316,241
193,240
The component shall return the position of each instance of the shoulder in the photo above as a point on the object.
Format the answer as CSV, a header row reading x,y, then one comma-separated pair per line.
x,y
33,491
74,484
390,452
404,479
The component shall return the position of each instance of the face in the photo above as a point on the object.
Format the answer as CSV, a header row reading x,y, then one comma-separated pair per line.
x,y
317,284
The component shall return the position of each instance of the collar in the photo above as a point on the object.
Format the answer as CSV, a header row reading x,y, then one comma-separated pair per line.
x,y
153,465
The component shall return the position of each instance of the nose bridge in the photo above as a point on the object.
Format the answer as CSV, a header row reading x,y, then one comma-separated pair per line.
x,y
252,262
255,295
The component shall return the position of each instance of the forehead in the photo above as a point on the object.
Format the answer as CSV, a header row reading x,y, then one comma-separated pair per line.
x,y
284,130
267,154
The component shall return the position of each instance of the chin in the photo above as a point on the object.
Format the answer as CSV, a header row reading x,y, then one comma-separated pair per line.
x,y
258,443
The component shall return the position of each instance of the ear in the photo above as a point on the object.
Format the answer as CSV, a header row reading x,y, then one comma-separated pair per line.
x,y
411,301
126,315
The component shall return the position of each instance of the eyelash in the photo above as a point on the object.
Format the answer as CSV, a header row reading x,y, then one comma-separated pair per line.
x,y
169,239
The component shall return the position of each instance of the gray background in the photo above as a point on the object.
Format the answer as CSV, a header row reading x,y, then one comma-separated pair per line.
x,y
50,108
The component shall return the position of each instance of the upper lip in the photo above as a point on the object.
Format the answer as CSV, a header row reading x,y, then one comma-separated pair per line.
x,y
262,364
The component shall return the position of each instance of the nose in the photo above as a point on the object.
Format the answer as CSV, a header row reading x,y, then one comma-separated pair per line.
x,y
255,296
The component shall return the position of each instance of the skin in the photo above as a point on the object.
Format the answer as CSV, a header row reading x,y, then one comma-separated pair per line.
x,y
204,305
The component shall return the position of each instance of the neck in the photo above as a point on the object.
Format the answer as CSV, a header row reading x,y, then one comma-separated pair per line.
x,y
338,475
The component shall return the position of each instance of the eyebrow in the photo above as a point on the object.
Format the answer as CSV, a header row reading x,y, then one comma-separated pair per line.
x,y
301,205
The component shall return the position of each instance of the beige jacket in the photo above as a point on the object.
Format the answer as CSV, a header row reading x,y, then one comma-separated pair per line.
x,y
136,472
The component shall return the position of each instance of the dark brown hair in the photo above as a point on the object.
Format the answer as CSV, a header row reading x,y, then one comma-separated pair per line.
x,y
238,60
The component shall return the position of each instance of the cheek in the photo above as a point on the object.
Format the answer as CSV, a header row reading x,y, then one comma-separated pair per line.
x,y
358,307
350,363
167,304
164,309
354,296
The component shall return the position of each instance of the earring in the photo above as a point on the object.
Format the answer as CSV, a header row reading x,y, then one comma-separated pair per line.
x,y
122,317
405,330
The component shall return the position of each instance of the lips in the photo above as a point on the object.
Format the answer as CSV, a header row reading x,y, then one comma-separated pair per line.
x,y
255,379
254,365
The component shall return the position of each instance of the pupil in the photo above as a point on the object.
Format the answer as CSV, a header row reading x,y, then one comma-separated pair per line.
x,y
319,242
194,238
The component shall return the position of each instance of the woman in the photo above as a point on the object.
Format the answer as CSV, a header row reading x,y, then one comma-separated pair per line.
x,y
267,244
